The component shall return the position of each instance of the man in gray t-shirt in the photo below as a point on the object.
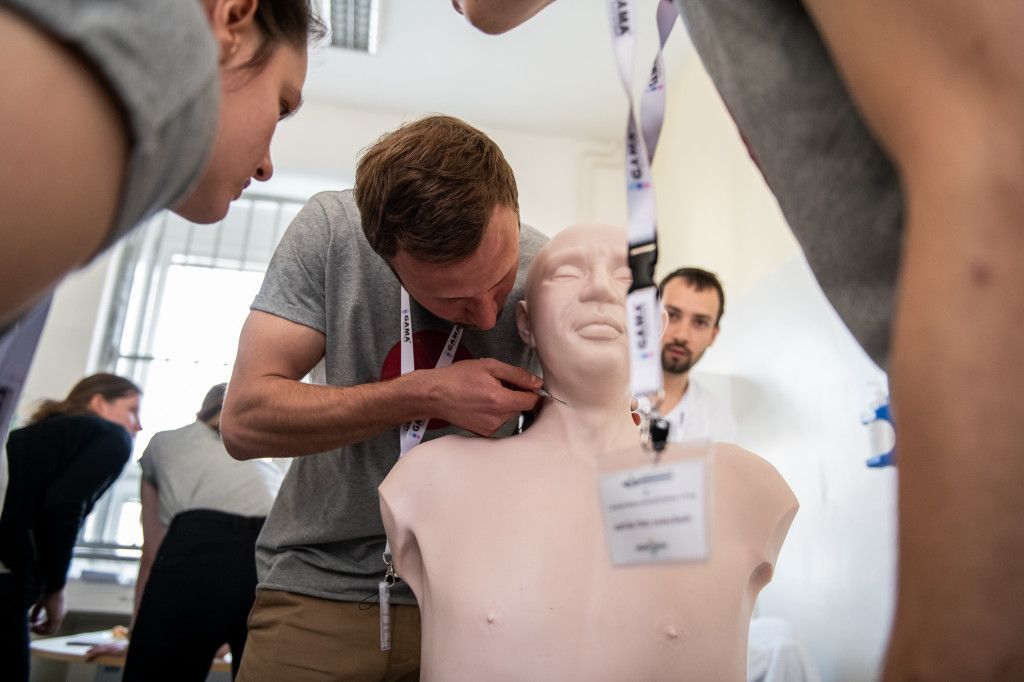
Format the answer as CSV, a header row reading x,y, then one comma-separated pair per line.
x,y
435,208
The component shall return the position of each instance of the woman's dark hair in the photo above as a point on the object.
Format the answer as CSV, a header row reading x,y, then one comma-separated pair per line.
x,y
212,403
109,386
291,22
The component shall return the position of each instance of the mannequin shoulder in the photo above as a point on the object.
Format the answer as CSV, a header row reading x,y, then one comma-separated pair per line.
x,y
739,474
433,462
750,469
751,490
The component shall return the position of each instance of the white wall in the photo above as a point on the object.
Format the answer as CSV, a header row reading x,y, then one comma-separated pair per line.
x,y
561,181
795,378
797,381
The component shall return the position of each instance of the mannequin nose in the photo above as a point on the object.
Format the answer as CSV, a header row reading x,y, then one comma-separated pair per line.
x,y
601,286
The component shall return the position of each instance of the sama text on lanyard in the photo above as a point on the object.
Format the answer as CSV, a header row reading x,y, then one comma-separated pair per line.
x,y
642,307
410,435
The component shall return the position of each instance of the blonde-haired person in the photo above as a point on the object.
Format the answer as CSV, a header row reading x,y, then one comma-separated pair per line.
x,y
116,109
69,454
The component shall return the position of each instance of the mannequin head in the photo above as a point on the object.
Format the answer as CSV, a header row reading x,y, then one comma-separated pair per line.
x,y
574,312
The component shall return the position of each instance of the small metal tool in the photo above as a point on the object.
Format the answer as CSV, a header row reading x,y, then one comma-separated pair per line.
x,y
544,394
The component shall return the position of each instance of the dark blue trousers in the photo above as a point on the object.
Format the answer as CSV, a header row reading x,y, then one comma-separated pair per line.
x,y
198,596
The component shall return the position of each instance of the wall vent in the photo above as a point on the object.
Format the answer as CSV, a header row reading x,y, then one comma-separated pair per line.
x,y
353,24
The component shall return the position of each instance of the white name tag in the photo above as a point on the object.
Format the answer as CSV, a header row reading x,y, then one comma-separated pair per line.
x,y
657,514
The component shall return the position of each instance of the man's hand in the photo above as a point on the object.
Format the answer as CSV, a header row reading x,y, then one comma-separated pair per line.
x,y
119,648
491,16
481,395
48,613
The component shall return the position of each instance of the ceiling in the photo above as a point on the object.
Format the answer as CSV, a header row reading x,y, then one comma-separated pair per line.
x,y
555,74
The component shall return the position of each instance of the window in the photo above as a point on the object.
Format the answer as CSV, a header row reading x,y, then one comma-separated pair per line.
x,y
178,294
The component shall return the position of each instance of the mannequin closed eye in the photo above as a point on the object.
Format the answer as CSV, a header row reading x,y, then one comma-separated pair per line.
x,y
566,273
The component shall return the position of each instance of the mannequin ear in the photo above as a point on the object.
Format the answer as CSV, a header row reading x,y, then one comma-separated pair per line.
x,y
523,324
229,21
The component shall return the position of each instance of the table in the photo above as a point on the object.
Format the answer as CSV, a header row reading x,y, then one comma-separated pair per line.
x,y
72,648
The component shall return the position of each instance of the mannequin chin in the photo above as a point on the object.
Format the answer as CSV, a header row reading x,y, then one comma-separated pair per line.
x,y
503,541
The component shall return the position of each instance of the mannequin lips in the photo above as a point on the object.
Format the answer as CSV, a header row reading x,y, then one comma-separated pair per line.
x,y
600,328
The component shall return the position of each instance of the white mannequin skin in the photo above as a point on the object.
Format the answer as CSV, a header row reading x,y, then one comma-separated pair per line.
x,y
502,541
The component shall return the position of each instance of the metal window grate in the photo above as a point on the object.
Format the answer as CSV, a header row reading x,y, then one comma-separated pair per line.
x,y
354,24
161,255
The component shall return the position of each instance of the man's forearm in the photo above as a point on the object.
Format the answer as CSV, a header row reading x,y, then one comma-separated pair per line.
x,y
956,376
941,83
285,418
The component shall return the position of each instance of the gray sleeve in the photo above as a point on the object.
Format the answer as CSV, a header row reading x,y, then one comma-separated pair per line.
x,y
159,60
148,460
294,286
837,189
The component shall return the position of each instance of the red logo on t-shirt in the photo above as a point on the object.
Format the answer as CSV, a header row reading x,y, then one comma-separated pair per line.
x,y
427,346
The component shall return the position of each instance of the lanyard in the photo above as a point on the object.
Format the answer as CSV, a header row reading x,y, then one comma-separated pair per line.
x,y
410,435
643,315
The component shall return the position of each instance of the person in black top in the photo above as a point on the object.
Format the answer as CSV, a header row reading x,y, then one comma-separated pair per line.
x,y
59,465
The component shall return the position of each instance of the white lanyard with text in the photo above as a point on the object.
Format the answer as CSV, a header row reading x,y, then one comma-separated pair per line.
x,y
410,435
643,314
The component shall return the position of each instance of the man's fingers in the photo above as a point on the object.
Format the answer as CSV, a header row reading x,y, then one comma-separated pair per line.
x,y
514,376
522,401
112,649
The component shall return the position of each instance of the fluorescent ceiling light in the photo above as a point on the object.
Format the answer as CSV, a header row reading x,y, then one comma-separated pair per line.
x,y
353,24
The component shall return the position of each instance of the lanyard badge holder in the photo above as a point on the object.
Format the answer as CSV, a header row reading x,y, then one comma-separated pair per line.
x,y
643,308
410,435
659,512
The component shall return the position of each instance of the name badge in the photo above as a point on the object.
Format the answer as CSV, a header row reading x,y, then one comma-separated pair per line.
x,y
657,514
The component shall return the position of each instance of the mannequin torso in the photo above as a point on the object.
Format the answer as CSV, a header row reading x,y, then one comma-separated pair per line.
x,y
503,544
503,541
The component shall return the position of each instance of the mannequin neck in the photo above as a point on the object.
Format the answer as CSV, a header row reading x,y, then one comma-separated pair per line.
x,y
586,427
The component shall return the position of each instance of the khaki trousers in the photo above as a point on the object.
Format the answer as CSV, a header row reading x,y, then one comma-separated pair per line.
x,y
296,638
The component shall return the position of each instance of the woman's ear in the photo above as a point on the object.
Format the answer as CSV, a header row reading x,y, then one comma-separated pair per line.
x,y
230,20
98,405
523,324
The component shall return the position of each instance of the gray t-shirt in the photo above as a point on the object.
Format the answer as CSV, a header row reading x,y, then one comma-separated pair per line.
x,y
191,470
837,189
324,536
160,62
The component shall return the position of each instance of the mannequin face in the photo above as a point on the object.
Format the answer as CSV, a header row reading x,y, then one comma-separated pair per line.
x,y
575,310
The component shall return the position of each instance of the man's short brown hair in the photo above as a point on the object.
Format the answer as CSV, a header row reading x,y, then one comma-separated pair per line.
x,y
430,187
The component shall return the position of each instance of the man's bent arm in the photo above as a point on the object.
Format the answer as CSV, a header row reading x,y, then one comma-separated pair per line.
x,y
941,82
269,412
53,108
498,16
